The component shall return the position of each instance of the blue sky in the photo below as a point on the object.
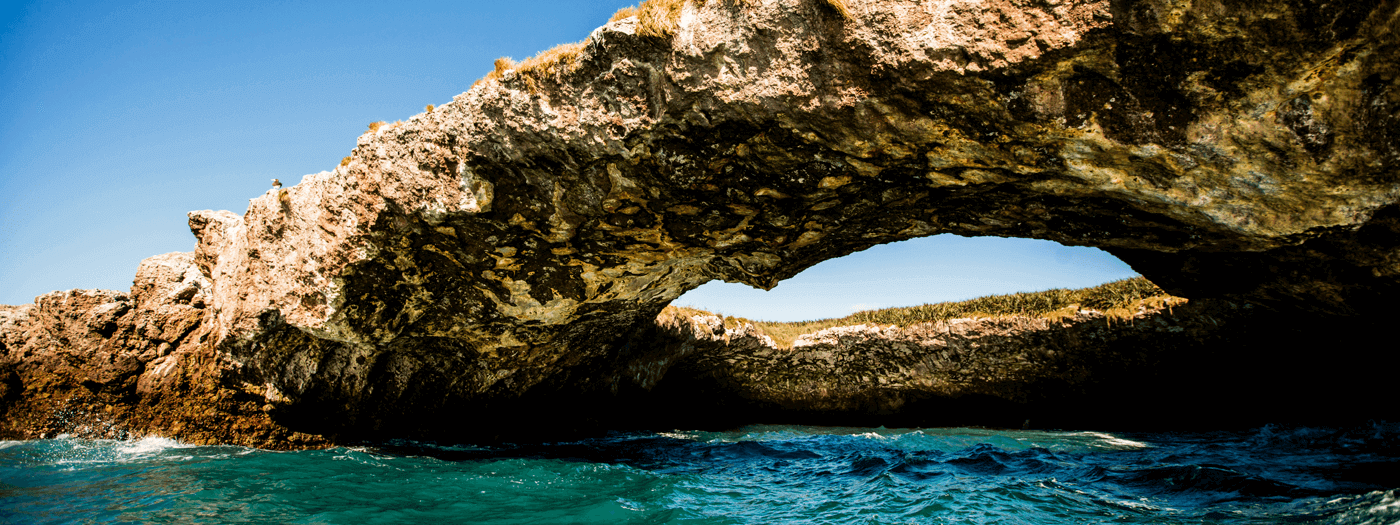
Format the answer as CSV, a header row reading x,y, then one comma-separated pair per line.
x,y
116,118
926,270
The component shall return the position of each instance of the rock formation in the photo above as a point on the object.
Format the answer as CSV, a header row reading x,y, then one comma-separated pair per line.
x,y
501,252
1171,365
100,363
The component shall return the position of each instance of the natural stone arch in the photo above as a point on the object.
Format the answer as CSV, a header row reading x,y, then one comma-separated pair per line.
x,y
504,250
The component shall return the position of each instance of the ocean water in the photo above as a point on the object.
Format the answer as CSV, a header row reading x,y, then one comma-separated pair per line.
x,y
756,474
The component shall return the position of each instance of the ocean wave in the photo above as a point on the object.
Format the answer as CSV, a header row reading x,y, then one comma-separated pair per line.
x,y
1373,508
1375,436
760,474
149,445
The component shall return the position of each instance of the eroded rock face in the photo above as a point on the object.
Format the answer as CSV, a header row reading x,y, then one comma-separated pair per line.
x,y
1172,365
104,364
501,252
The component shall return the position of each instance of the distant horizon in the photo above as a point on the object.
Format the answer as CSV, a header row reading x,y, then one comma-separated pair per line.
x,y
120,117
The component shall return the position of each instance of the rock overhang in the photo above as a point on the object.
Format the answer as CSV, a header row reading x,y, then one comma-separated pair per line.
x,y
512,242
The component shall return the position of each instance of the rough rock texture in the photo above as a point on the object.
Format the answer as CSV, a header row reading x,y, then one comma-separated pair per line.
x,y
501,252
98,363
1172,365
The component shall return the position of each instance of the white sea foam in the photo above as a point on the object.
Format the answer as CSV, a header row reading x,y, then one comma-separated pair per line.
x,y
1112,441
149,445
76,452
1390,503
1375,508
678,435
1141,504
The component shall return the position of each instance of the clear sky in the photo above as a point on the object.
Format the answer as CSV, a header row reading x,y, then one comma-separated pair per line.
x,y
116,118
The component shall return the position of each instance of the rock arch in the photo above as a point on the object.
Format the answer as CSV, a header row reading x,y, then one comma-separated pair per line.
x,y
512,240
503,251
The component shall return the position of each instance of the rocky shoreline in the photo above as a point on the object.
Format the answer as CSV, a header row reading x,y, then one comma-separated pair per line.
x,y
98,363
510,252
105,364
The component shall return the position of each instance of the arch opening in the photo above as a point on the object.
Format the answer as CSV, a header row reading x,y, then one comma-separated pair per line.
x,y
513,251
934,269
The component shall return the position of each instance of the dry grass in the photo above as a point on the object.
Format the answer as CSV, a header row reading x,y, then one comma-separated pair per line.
x,y
547,65
428,108
659,18
550,63
625,12
1118,300
345,161
502,65
376,126
655,18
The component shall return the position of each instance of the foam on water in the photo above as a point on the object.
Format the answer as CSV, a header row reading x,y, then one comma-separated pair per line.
x,y
1109,441
149,445
1373,508
757,474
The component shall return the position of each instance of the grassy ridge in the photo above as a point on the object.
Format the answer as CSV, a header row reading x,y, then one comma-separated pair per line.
x,y
1117,299
1106,296
655,18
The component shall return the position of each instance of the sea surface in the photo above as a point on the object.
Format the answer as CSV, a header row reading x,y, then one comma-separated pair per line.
x,y
756,474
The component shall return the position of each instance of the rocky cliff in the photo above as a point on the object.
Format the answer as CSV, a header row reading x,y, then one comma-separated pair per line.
x,y
100,363
1169,364
502,252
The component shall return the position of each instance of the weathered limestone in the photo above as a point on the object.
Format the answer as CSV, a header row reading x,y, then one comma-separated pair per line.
x,y
501,252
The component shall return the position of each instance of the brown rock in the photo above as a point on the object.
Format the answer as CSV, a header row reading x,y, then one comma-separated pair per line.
x,y
504,251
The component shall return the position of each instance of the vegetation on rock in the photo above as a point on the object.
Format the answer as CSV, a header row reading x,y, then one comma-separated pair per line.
x,y
509,255
626,12
660,18
1117,300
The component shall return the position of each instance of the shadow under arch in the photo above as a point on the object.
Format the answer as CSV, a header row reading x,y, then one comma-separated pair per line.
x,y
498,257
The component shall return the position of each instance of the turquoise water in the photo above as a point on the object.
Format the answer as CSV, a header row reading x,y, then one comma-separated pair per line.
x,y
757,474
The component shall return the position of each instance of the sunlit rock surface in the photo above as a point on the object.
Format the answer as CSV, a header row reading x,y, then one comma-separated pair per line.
x,y
502,252
98,363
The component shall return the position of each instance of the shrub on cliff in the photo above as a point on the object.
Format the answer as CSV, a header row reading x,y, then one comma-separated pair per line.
x,y
502,65
659,18
655,18
550,63
626,12
1107,296
1117,300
